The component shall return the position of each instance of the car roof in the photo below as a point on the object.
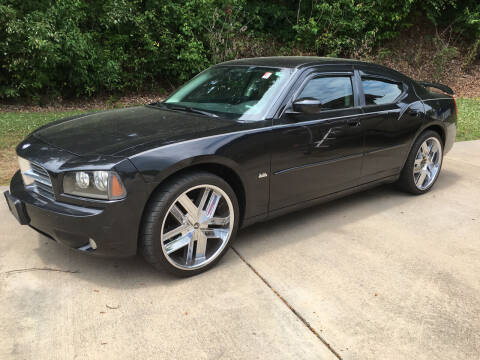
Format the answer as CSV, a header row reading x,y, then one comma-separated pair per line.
x,y
296,62
289,61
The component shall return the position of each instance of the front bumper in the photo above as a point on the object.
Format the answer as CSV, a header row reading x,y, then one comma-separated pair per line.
x,y
111,225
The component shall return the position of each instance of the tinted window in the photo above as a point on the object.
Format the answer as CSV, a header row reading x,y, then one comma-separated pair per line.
x,y
237,92
334,92
380,91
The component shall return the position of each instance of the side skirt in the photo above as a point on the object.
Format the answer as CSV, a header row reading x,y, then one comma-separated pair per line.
x,y
320,200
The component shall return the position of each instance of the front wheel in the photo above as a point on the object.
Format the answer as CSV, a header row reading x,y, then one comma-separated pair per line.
x,y
190,223
423,164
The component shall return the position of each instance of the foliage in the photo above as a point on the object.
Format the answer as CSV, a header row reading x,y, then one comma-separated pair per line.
x,y
472,54
343,26
75,47
441,58
463,16
71,48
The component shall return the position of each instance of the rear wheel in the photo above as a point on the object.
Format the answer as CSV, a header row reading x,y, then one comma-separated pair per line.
x,y
423,164
190,224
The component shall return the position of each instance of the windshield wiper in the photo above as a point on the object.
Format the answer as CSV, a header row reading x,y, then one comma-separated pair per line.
x,y
198,111
157,103
189,109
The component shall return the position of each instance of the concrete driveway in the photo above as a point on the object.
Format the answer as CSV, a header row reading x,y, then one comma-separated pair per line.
x,y
377,275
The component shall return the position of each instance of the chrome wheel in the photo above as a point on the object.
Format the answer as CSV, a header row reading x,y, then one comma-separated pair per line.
x,y
197,227
427,163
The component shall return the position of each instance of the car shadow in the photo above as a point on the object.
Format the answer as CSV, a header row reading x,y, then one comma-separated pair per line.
x,y
124,272
331,216
134,272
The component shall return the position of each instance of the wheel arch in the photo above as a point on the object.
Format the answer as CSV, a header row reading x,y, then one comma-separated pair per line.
x,y
218,168
438,127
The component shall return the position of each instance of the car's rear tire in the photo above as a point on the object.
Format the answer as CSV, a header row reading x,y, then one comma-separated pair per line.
x,y
423,164
189,223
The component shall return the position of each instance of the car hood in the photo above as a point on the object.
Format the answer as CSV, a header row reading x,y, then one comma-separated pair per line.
x,y
114,131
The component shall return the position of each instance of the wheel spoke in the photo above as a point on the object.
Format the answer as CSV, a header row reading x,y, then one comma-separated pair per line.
x,y
201,246
191,245
212,204
178,243
429,173
178,230
216,233
222,221
421,178
417,166
425,149
188,205
177,214
203,200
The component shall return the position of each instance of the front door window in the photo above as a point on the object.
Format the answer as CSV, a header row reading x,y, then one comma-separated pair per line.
x,y
333,92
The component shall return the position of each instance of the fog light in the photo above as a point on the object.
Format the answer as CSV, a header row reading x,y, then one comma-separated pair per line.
x,y
93,244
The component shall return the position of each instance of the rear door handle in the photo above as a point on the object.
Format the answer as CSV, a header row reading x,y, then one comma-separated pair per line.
x,y
413,112
353,123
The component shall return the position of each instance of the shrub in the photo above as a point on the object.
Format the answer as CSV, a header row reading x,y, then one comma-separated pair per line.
x,y
342,27
77,48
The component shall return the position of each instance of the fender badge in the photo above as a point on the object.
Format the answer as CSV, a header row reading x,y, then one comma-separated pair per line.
x,y
262,175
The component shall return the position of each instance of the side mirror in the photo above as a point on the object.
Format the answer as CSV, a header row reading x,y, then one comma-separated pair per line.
x,y
307,105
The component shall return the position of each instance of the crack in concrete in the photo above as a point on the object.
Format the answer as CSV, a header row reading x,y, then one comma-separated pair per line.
x,y
292,309
16,271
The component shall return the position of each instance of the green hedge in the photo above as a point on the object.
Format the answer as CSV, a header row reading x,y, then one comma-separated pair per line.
x,y
84,47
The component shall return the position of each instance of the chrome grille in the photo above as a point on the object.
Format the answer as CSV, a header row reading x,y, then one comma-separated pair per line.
x,y
38,180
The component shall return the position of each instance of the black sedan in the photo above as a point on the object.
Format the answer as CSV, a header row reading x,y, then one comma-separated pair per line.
x,y
242,142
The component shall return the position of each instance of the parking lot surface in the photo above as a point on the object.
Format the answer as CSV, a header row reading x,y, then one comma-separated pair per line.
x,y
377,275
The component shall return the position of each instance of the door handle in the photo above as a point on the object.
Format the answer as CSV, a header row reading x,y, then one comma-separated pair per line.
x,y
414,113
353,123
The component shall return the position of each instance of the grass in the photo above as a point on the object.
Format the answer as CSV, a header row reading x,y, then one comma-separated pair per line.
x,y
14,126
468,127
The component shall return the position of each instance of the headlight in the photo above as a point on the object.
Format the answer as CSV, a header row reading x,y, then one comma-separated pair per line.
x,y
82,179
94,184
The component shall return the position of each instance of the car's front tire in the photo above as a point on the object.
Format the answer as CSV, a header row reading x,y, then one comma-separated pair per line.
x,y
189,223
423,164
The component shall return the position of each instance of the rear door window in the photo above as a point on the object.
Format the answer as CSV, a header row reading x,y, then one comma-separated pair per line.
x,y
380,91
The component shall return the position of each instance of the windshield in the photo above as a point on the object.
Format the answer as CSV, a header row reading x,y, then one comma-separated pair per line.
x,y
236,92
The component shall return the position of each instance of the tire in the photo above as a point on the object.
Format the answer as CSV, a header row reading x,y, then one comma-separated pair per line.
x,y
180,238
417,164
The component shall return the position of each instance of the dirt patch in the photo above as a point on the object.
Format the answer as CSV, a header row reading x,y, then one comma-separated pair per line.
x,y
424,53
8,159
464,83
99,102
